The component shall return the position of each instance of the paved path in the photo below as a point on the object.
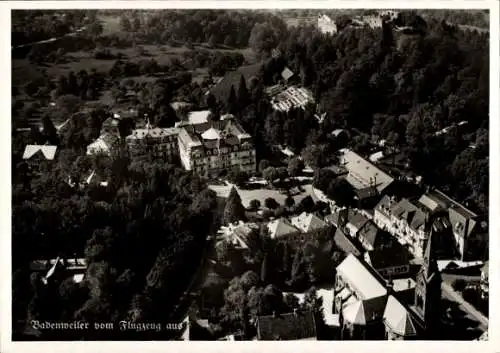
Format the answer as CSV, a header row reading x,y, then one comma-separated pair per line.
x,y
72,34
473,28
450,277
450,294
196,279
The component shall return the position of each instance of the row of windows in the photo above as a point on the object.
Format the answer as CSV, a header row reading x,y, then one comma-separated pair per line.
x,y
394,270
223,152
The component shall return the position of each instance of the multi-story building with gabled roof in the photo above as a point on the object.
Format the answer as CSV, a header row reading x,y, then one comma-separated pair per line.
x,y
157,142
211,147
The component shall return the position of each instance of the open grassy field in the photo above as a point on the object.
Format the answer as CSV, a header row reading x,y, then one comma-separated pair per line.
x,y
24,71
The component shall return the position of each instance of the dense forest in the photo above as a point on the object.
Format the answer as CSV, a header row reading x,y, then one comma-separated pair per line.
x,y
140,234
403,88
229,28
30,26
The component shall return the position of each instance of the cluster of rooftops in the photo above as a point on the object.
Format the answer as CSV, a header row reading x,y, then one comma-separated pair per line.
x,y
214,134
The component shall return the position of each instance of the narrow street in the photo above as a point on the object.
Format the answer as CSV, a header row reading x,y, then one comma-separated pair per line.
x,y
472,312
179,311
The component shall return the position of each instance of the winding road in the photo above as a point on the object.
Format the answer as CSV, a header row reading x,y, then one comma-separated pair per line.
x,y
472,312
50,40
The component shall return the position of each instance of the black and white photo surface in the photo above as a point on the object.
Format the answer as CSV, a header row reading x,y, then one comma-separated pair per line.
x,y
250,174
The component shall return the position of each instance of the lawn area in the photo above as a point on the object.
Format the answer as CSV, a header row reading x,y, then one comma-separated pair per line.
x,y
262,194
23,70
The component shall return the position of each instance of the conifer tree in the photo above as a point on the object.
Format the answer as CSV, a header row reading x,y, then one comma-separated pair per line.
x,y
264,270
234,210
243,94
232,102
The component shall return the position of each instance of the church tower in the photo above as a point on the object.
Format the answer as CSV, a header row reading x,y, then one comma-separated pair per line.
x,y
428,287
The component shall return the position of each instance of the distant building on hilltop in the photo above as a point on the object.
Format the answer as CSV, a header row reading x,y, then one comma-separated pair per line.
x,y
211,147
326,25
388,14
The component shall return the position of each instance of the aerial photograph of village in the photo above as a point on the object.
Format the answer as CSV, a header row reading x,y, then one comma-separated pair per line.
x,y
250,175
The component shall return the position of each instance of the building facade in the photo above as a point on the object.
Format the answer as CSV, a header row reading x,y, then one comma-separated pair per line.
x,y
484,284
156,142
212,147
428,283
368,181
405,221
297,326
358,235
39,157
469,229
366,307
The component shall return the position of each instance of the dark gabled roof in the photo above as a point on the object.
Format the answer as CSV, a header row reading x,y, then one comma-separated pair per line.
x,y
338,170
347,244
371,233
221,90
413,215
287,327
357,219
384,205
392,255
367,192
281,227
333,219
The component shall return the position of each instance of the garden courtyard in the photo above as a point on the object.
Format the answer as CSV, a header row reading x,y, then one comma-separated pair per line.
x,y
262,193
